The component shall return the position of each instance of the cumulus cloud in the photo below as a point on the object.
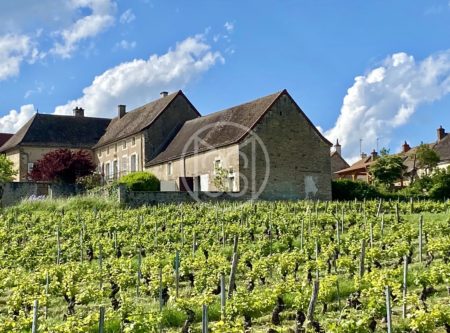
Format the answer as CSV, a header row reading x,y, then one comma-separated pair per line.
x,y
14,49
127,17
14,120
386,98
101,18
229,26
136,82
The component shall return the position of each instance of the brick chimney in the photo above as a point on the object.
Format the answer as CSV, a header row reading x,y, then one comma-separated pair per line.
x,y
78,112
121,110
441,133
337,147
406,147
163,94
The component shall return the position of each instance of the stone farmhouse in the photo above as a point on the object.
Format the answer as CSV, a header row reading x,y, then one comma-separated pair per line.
x,y
133,138
267,146
275,150
46,132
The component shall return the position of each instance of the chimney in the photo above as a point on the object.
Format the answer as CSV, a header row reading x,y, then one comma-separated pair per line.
x,y
406,147
121,110
441,133
163,94
337,147
363,155
78,112
374,154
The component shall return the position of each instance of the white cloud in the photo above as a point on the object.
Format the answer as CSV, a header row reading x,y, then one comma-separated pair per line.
x,y
101,18
229,26
124,44
136,82
14,120
14,49
127,16
386,98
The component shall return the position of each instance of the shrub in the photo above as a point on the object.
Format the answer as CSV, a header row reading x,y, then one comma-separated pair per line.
x,y
90,181
346,189
140,181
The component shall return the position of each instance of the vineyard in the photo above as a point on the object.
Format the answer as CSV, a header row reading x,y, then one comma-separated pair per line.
x,y
254,267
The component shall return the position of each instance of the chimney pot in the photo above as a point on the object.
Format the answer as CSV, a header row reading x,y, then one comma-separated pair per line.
x,y
441,133
121,110
163,93
78,112
337,147
374,154
406,147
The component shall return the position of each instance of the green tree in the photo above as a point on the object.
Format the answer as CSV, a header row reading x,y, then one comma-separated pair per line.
x,y
387,168
427,158
7,171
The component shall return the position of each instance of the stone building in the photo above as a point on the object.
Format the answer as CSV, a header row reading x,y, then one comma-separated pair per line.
x,y
135,137
47,132
338,163
267,147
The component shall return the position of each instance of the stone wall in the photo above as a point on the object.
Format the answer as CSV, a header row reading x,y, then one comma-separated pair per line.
x,y
15,192
297,160
136,199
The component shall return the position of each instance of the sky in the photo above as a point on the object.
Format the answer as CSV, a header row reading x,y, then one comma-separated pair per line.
x,y
376,71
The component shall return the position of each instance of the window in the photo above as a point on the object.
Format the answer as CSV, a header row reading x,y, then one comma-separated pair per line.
x,y
133,141
124,145
115,148
124,167
107,171
169,168
30,167
217,165
133,163
115,169
107,150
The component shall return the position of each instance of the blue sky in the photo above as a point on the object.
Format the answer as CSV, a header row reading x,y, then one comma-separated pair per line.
x,y
359,69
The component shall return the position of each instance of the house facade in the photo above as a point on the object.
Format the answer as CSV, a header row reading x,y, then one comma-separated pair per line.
x,y
267,147
46,132
135,137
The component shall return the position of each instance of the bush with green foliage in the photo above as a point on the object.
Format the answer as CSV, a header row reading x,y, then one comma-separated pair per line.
x,y
90,181
140,181
346,189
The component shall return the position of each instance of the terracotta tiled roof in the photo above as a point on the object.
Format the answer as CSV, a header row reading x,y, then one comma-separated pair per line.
x,y
49,130
362,165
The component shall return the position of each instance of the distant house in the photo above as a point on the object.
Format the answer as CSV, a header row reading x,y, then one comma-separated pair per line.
x,y
295,164
360,169
338,163
46,132
135,137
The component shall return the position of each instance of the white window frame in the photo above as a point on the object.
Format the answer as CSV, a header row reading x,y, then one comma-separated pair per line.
x,y
115,173
169,169
136,162
217,159
124,170
30,166
124,144
107,170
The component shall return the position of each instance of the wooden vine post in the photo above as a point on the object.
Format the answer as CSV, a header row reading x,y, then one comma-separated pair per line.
x,y
405,285
177,272
58,246
101,320
420,237
100,264
204,318
312,302
160,290
361,259
223,297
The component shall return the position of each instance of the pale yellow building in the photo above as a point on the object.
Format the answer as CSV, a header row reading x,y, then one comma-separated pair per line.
x,y
47,132
135,137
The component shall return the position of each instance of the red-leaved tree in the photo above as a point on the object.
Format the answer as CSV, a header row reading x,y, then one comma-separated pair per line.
x,y
63,165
